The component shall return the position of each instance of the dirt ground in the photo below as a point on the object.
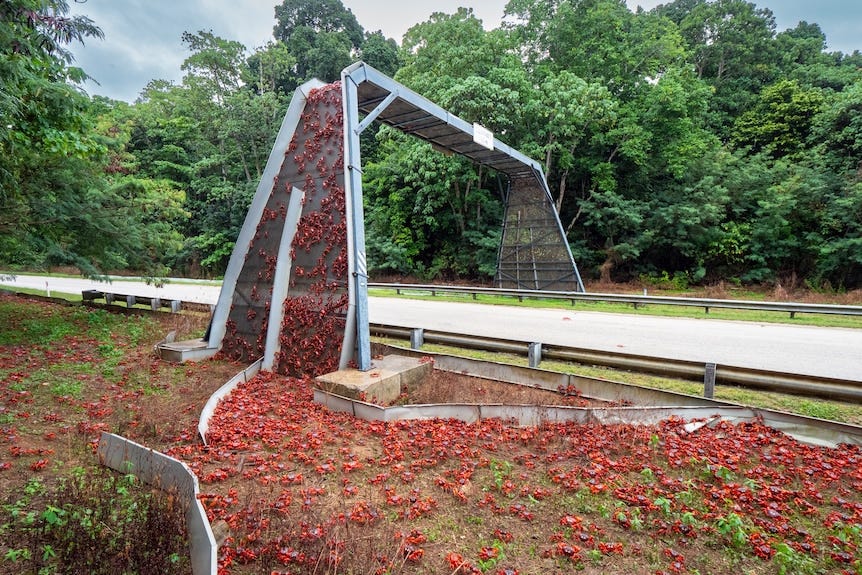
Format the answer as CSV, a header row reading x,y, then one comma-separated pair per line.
x,y
449,387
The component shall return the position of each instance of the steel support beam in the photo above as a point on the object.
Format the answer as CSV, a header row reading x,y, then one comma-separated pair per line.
x,y
358,267
376,112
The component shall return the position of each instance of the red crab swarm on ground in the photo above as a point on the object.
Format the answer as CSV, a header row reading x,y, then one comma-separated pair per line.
x,y
306,490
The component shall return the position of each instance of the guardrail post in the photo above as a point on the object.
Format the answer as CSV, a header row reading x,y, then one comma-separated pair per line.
x,y
709,380
109,298
417,338
155,304
534,354
130,301
177,304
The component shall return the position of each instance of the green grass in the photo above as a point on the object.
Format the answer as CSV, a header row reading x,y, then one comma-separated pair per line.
x,y
40,325
824,409
810,319
73,297
84,523
113,278
36,328
821,320
65,379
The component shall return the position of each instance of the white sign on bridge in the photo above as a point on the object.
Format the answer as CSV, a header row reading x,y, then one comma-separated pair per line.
x,y
483,136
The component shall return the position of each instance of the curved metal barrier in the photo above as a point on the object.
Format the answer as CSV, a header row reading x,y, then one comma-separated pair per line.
x,y
225,390
169,474
652,405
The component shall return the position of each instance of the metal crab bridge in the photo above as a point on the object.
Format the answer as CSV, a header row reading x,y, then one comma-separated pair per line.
x,y
295,293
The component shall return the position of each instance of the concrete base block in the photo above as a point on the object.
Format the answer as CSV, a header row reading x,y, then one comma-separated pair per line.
x,y
381,384
182,351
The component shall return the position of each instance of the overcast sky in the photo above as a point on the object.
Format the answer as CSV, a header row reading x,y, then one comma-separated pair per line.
x,y
142,37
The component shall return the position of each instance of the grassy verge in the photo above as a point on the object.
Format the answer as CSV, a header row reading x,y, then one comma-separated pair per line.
x,y
86,522
67,373
820,320
30,291
301,489
824,409
76,298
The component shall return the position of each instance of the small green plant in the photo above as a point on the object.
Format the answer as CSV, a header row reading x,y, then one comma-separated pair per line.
x,y
680,281
789,560
724,474
664,504
111,356
15,555
136,332
751,483
490,556
733,528
604,511
689,518
67,388
501,470
98,521
636,521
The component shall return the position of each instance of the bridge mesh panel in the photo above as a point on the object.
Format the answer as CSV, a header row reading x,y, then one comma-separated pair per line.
x,y
312,331
532,253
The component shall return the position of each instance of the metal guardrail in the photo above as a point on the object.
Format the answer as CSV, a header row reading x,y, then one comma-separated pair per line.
x,y
155,303
710,374
636,300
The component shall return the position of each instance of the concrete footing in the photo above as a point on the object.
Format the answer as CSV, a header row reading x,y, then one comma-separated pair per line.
x,y
382,384
182,351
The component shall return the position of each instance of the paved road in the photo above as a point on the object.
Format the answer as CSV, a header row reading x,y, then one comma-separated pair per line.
x,y
825,352
174,290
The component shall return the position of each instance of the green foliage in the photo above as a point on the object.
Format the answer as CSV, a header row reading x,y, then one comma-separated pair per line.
x,y
780,122
58,205
271,69
317,16
429,215
689,143
380,52
321,35
95,521
791,561
733,528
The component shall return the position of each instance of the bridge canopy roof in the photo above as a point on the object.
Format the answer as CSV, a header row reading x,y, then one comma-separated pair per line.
x,y
383,99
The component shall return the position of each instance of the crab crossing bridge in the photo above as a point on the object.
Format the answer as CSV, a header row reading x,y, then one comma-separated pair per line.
x,y
295,290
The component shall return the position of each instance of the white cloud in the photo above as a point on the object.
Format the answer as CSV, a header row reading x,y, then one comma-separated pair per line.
x,y
142,37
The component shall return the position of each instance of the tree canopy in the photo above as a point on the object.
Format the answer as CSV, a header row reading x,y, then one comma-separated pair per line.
x,y
692,141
